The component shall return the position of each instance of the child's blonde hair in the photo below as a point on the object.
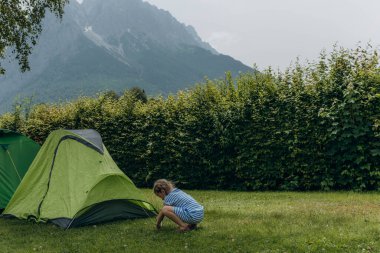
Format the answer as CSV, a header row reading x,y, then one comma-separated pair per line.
x,y
163,185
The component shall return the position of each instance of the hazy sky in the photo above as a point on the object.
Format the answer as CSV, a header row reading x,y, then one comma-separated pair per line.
x,y
275,32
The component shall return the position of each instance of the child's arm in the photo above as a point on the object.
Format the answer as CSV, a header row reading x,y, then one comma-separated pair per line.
x,y
160,217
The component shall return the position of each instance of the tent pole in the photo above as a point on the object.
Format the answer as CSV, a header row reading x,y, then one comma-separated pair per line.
x,y
14,166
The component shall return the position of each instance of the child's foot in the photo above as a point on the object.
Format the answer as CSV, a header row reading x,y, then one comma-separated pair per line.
x,y
192,226
183,229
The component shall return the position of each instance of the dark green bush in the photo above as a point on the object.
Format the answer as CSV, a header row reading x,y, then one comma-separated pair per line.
x,y
315,127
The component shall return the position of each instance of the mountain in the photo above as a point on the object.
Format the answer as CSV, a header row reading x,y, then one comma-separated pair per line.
x,y
113,45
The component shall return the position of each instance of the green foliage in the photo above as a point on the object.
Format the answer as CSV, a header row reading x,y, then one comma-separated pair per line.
x,y
21,25
314,127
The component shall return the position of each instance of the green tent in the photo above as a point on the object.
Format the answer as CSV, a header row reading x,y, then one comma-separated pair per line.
x,y
16,154
73,181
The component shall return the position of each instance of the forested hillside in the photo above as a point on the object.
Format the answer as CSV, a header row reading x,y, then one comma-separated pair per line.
x,y
113,45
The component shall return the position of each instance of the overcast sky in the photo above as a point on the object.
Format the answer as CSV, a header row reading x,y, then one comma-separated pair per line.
x,y
275,32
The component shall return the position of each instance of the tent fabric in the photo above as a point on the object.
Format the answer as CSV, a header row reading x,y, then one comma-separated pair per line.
x,y
92,137
16,154
108,210
73,182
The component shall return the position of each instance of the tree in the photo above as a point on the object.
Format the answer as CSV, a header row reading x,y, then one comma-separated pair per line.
x,y
139,94
21,24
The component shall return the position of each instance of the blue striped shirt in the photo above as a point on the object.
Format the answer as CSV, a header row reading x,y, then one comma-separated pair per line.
x,y
185,206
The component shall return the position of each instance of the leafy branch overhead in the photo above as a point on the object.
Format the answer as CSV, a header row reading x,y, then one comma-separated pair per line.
x,y
20,26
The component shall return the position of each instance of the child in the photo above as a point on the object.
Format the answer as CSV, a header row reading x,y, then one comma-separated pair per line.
x,y
179,206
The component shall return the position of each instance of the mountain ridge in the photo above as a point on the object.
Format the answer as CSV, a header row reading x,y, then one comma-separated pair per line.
x,y
114,45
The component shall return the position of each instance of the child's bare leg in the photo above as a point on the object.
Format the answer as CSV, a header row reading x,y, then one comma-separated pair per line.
x,y
169,212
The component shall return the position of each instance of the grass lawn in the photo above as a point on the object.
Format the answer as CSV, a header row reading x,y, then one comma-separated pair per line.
x,y
234,222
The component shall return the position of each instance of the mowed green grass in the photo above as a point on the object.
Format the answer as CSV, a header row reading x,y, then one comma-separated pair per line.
x,y
234,222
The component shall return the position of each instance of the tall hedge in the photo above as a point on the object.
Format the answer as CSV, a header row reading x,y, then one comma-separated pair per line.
x,y
313,127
